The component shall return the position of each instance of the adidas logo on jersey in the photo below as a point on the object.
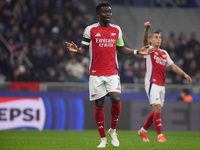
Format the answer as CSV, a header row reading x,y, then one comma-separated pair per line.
x,y
98,34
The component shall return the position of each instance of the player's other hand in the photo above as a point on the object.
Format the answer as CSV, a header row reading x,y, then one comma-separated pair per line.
x,y
188,78
145,50
147,24
72,47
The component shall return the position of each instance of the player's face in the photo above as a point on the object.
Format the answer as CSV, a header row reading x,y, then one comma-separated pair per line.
x,y
105,14
156,40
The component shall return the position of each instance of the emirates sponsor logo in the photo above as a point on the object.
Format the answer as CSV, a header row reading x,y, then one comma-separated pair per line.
x,y
105,42
160,60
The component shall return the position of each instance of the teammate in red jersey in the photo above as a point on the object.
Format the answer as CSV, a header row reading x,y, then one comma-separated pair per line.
x,y
102,39
155,65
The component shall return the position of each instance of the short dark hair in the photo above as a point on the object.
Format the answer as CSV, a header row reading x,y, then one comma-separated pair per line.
x,y
102,4
186,91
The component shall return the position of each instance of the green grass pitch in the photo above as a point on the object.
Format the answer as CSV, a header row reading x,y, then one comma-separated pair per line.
x,y
89,139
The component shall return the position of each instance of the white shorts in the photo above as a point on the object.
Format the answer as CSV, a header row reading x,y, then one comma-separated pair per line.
x,y
99,86
155,93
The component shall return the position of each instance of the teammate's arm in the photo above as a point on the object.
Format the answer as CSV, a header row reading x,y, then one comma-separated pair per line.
x,y
74,48
147,25
178,70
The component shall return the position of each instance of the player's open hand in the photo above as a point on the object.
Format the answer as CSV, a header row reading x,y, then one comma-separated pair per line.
x,y
72,47
145,50
148,24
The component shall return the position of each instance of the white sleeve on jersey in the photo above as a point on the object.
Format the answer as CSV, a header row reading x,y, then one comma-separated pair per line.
x,y
120,41
169,60
120,33
86,36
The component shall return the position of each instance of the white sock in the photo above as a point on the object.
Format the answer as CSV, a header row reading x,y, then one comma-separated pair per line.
x,y
104,138
112,130
160,135
143,130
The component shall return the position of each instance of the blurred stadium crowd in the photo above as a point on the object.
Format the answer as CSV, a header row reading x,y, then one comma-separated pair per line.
x,y
32,45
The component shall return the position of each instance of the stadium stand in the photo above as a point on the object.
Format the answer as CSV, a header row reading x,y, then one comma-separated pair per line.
x,y
33,35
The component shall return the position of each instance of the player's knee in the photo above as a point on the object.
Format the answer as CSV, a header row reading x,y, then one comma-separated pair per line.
x,y
157,108
115,100
99,103
114,97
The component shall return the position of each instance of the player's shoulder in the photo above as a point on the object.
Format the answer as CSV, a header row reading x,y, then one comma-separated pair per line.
x,y
164,51
93,25
115,26
89,27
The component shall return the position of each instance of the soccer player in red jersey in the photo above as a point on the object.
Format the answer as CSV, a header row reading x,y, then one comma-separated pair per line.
x,y
103,39
155,65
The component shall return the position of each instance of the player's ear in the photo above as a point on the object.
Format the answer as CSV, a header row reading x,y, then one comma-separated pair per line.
x,y
98,13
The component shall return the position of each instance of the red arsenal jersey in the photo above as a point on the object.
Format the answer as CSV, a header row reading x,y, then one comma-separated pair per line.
x,y
102,43
155,65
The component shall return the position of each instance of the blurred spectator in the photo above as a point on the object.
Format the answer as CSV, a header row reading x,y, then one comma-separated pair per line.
x,y
60,68
193,41
171,42
71,77
129,73
59,7
37,65
32,35
178,79
48,60
60,55
5,63
196,51
55,35
18,37
39,47
76,68
85,77
51,75
16,75
42,34
192,68
31,28
185,96
12,47
196,78
45,8
182,39
2,78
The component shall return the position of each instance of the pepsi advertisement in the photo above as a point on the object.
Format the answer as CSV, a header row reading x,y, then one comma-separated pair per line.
x,y
41,113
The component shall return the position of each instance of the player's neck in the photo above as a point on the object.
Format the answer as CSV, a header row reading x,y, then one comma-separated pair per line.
x,y
156,47
104,24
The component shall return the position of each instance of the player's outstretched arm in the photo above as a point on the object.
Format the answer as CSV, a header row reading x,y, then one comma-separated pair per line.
x,y
72,47
147,25
178,70
145,50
